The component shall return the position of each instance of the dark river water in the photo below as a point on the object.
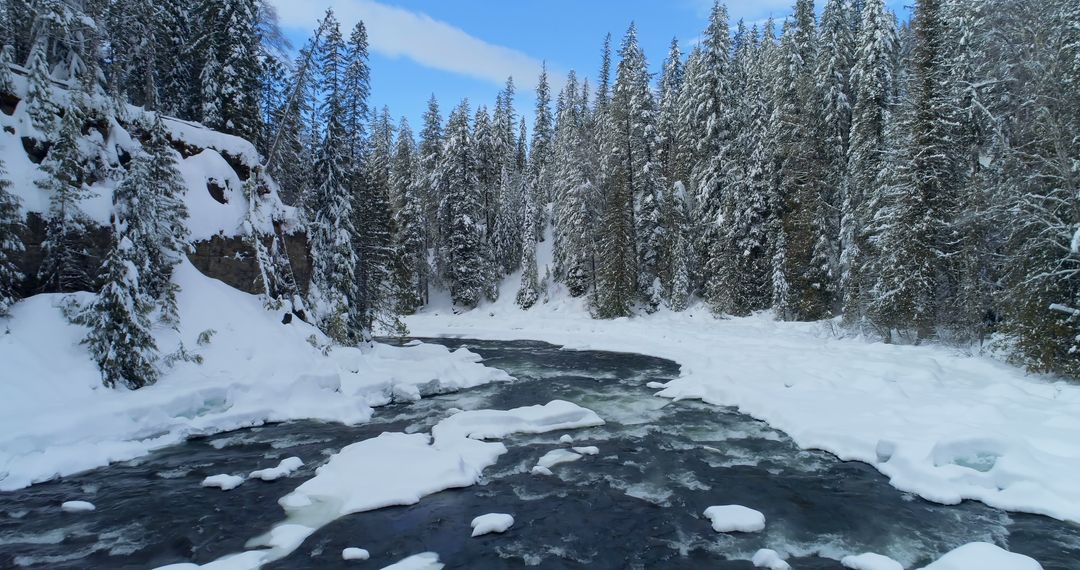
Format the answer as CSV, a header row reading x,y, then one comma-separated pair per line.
x,y
637,504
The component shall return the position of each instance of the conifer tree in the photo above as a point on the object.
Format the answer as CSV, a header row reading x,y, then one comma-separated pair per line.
x,y
330,212
11,244
529,291
409,222
463,247
63,251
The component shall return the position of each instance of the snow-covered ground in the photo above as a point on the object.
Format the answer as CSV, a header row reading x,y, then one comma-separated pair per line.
x,y
57,419
940,424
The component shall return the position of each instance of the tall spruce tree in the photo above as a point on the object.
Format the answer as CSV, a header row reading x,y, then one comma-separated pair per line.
x,y
463,246
11,244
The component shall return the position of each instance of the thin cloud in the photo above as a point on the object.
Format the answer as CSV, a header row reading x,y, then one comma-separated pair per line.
x,y
397,32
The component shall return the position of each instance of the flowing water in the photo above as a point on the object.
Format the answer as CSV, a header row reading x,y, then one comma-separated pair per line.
x,y
637,504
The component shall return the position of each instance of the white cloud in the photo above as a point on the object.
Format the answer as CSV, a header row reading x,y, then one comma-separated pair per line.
x,y
397,32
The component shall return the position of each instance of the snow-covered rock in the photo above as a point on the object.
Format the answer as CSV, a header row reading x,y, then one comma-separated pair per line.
x,y
225,482
77,507
538,470
770,560
735,518
566,438
557,456
353,553
870,561
285,468
983,556
424,561
491,522
587,450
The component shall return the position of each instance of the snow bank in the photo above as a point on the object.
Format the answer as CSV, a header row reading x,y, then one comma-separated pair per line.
x,y
983,556
425,561
735,518
57,419
353,553
942,425
770,560
209,217
285,468
225,482
870,561
491,522
77,507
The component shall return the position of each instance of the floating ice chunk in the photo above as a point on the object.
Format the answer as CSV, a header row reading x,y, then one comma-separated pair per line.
x,y
983,556
735,518
284,469
77,507
224,481
587,450
538,470
425,561
496,424
770,560
491,522
557,456
566,438
355,554
870,561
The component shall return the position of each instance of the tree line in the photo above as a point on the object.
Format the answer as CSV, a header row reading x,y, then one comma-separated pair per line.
x,y
918,179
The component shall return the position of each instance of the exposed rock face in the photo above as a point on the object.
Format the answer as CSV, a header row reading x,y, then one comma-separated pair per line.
x,y
229,259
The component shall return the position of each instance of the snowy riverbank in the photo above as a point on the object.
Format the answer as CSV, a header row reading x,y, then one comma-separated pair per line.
x,y
945,426
57,419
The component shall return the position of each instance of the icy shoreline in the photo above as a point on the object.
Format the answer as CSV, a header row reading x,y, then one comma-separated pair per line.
x,y
940,425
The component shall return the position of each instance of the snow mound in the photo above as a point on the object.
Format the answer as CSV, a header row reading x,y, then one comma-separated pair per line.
x,y
587,450
224,482
491,522
77,507
353,553
870,561
769,559
425,561
555,457
983,556
735,518
566,438
285,468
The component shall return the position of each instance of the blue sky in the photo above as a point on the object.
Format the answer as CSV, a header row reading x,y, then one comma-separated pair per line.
x,y
466,48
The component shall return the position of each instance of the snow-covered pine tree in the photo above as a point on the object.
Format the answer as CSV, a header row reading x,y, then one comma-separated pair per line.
x,y
540,152
357,89
374,225
808,244
872,76
573,190
709,101
671,147
40,105
834,63
630,244
64,249
916,278
6,59
329,206
1042,292
463,246
529,291
119,339
153,190
429,159
406,186
507,239
11,243
230,74
488,168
